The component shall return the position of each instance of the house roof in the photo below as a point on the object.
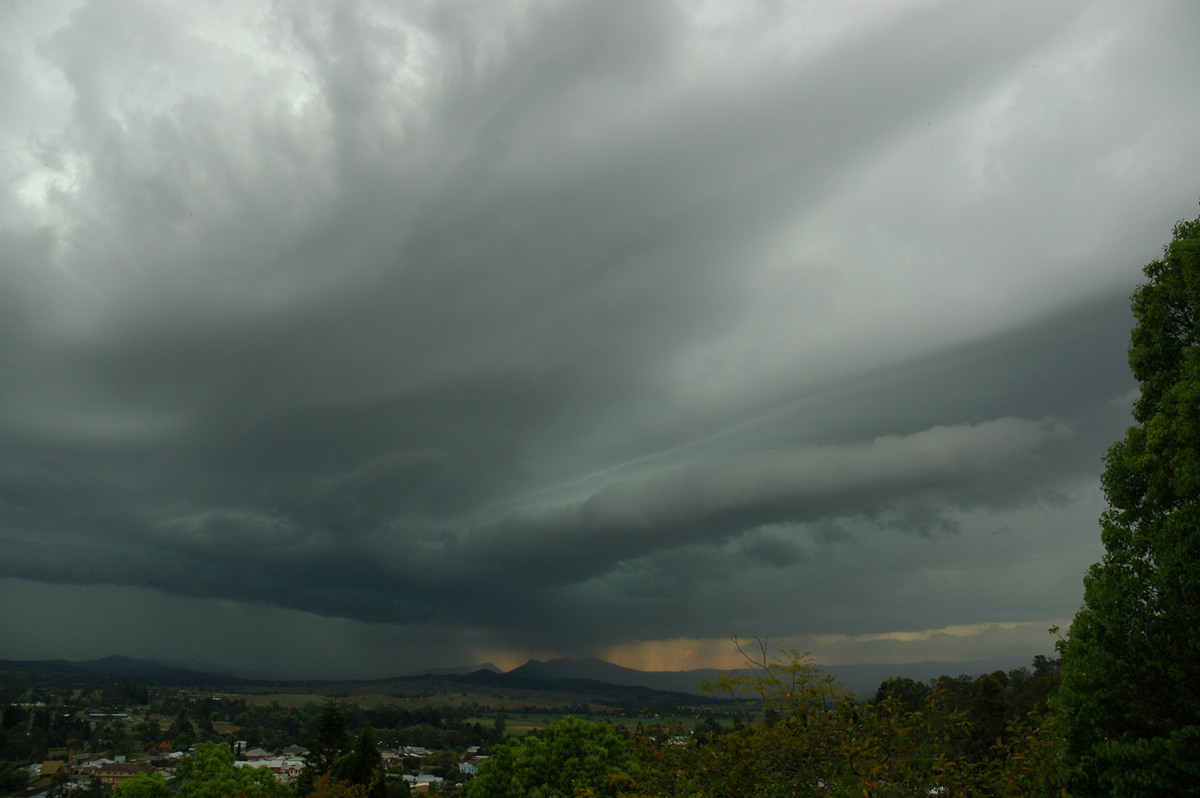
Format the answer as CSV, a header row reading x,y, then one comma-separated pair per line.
x,y
125,767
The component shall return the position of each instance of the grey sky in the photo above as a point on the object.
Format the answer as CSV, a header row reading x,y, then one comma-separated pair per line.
x,y
351,338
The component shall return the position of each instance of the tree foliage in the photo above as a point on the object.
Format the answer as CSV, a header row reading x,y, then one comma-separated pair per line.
x,y
823,742
328,748
331,738
1131,669
327,786
363,765
211,773
570,758
143,785
13,777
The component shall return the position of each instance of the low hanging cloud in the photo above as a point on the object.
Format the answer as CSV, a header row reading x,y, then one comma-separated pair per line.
x,y
716,501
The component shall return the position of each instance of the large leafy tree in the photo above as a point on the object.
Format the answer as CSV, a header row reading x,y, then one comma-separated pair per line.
x,y
1131,664
143,785
825,743
570,757
211,773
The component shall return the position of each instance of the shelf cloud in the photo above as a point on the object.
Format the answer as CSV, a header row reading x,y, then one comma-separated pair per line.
x,y
469,329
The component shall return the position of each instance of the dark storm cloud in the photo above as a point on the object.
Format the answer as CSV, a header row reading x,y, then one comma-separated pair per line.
x,y
509,320
724,498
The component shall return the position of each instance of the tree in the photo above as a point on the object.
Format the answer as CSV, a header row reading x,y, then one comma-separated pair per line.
x,y
13,777
570,757
182,725
363,765
911,694
1131,662
331,738
822,742
826,743
328,787
324,754
988,716
211,773
151,730
143,785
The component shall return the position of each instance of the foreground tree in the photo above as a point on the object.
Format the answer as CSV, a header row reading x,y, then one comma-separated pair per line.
x,y
823,742
330,745
328,787
363,765
570,757
143,785
1131,663
13,777
210,773
331,738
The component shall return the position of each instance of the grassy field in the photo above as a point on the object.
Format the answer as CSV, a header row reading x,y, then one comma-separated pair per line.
x,y
497,703
523,723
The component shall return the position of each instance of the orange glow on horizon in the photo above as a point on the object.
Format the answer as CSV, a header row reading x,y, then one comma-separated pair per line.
x,y
961,642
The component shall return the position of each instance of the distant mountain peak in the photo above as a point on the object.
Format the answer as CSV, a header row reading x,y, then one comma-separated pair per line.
x,y
585,668
459,670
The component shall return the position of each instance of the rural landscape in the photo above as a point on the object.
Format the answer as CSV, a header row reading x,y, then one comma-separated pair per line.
x,y
138,728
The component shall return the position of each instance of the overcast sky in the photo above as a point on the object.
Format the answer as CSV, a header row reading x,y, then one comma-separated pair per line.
x,y
353,338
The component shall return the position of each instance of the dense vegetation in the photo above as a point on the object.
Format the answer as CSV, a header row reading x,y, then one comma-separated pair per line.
x,y
959,736
1131,683
38,722
961,717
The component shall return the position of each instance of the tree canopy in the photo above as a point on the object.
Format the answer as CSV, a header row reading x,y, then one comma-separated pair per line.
x,y
819,740
331,738
1131,663
363,765
570,757
143,785
211,773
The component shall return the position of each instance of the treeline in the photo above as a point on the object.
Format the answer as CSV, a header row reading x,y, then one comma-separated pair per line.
x,y
994,735
31,730
989,705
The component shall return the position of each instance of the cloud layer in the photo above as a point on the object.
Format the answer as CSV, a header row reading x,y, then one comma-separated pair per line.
x,y
559,327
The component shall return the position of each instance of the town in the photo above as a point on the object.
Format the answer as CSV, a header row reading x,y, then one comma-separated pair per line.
x,y
61,741
88,736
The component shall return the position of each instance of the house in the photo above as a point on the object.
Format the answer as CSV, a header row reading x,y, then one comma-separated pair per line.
x,y
90,767
53,768
113,773
422,784
96,717
286,770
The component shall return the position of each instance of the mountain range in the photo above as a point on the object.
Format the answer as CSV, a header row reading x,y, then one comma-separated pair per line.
x,y
862,679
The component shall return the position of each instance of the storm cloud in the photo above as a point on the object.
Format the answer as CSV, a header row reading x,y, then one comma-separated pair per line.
x,y
447,331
